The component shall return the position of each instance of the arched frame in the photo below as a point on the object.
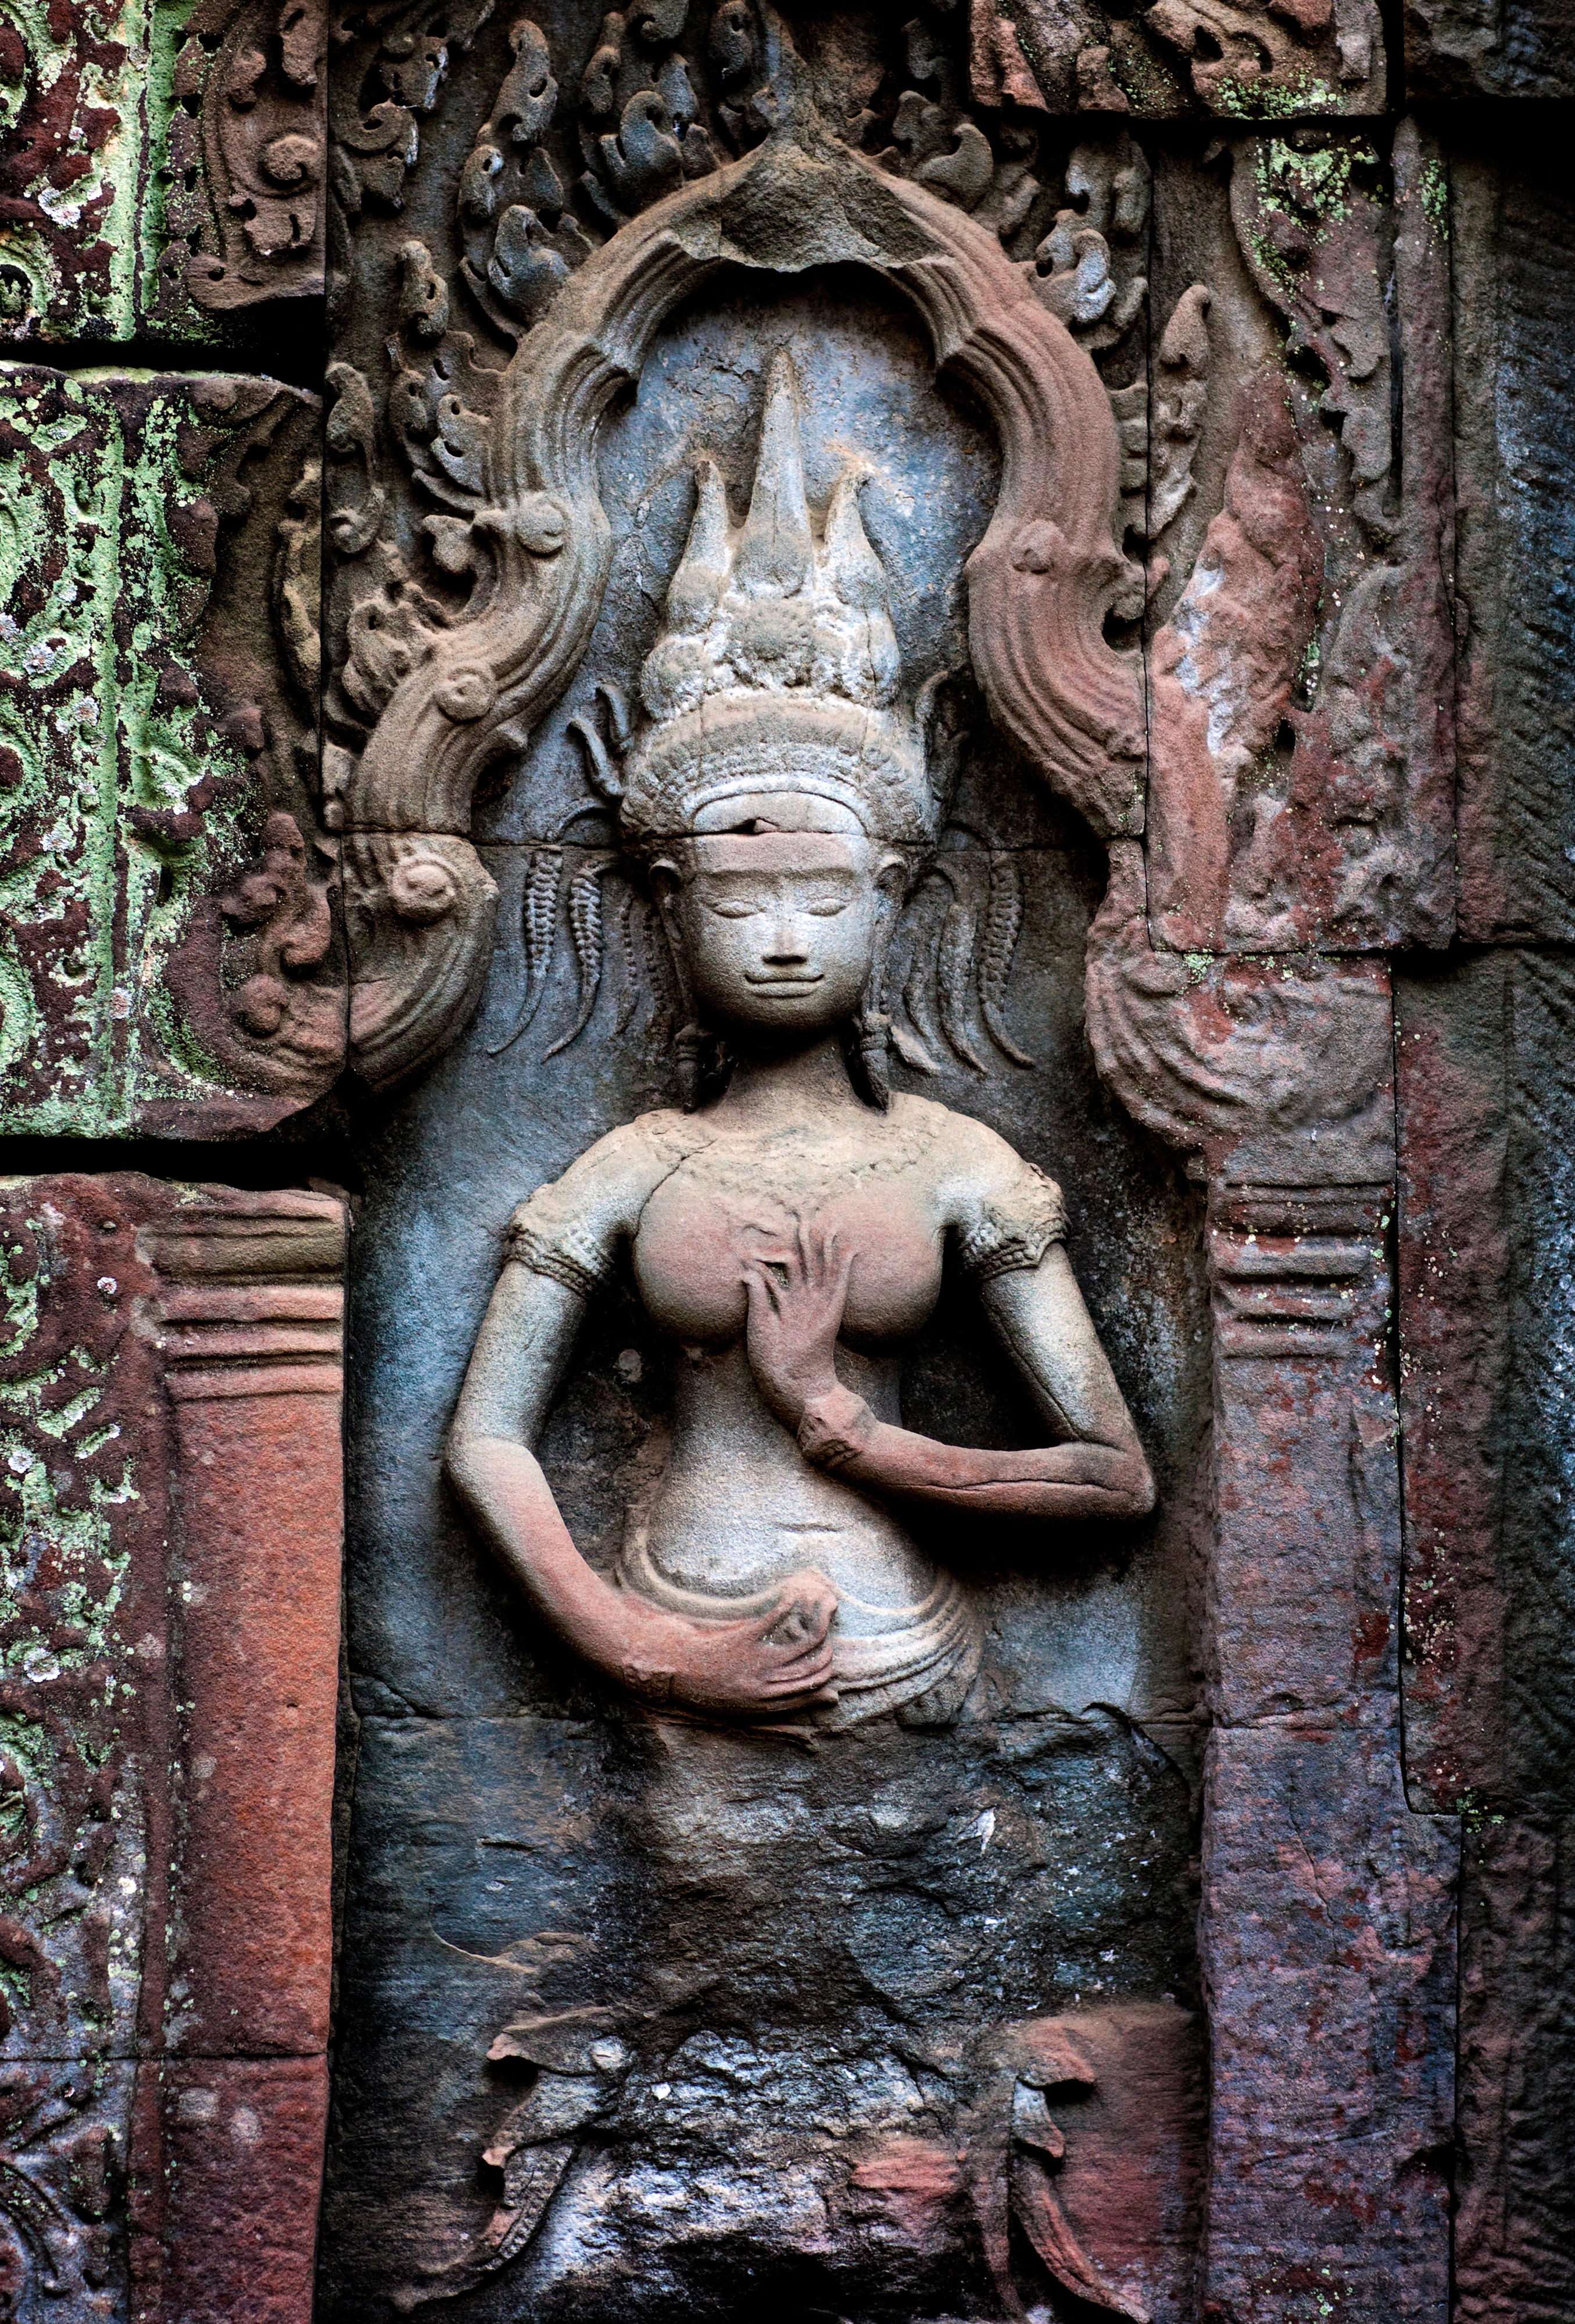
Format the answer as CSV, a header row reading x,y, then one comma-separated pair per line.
x,y
1041,582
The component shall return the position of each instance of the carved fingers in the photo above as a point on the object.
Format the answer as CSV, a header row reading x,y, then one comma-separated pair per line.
x,y
778,1660
796,1295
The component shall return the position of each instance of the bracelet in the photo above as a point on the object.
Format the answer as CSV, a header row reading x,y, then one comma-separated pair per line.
x,y
834,1428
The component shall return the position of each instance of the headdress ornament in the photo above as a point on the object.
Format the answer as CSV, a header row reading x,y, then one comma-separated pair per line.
x,y
776,671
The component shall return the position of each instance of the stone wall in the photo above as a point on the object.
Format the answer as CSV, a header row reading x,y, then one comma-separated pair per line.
x,y
1181,391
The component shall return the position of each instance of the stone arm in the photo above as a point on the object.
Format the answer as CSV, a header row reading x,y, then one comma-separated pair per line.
x,y
736,1668
1095,1470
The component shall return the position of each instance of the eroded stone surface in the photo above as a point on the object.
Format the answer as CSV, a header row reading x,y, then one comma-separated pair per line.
x,y
770,2051
164,168
1512,2243
166,1838
1512,230
1460,48
171,956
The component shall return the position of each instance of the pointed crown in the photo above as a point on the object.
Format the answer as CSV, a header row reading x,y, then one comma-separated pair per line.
x,y
776,671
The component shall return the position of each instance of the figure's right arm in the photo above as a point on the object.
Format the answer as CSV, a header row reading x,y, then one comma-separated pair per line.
x,y
521,1354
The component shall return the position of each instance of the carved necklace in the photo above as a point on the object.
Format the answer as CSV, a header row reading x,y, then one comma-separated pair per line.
x,y
797,1164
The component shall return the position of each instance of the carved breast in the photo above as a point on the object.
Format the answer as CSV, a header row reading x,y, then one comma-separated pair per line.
x,y
695,1235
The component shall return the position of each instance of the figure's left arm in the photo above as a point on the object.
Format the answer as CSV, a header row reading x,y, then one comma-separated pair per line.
x,y
1096,1468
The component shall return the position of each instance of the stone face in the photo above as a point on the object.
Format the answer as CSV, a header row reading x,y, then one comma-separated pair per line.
x,y
167,1881
173,959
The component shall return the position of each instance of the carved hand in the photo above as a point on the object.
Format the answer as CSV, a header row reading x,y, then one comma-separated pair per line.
x,y
796,1298
780,1660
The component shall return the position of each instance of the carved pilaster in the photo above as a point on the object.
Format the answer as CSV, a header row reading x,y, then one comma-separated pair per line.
x,y
1328,1922
171,1524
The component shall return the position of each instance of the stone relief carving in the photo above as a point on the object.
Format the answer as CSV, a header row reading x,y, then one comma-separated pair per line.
x,y
1181,56
576,257
1341,830
465,508
778,801
390,66
246,157
151,972
778,793
420,906
456,683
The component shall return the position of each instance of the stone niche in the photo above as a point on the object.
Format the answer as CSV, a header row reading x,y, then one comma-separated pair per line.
x,y
632,2009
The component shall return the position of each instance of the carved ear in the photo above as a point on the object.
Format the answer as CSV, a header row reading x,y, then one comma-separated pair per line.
x,y
891,876
666,879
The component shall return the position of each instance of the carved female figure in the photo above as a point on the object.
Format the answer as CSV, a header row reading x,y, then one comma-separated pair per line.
x,y
788,1229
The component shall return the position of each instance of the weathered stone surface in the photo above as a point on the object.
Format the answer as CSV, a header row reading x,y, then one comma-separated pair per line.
x,y
1329,2006
243,166
1463,49
1513,2247
1452,1077
160,1893
1332,2026
805,2054
1278,1073
1301,747
1512,231
170,951
1180,56
243,2147
1488,1114
164,167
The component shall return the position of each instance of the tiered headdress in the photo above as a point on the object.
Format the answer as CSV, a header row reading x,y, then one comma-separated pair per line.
x,y
776,670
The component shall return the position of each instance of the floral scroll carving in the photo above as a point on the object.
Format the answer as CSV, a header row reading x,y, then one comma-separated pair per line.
x,y
247,156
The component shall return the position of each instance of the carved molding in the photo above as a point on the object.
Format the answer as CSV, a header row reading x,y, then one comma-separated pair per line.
x,y
170,1518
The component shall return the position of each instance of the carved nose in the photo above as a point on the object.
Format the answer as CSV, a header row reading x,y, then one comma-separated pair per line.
x,y
787,947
